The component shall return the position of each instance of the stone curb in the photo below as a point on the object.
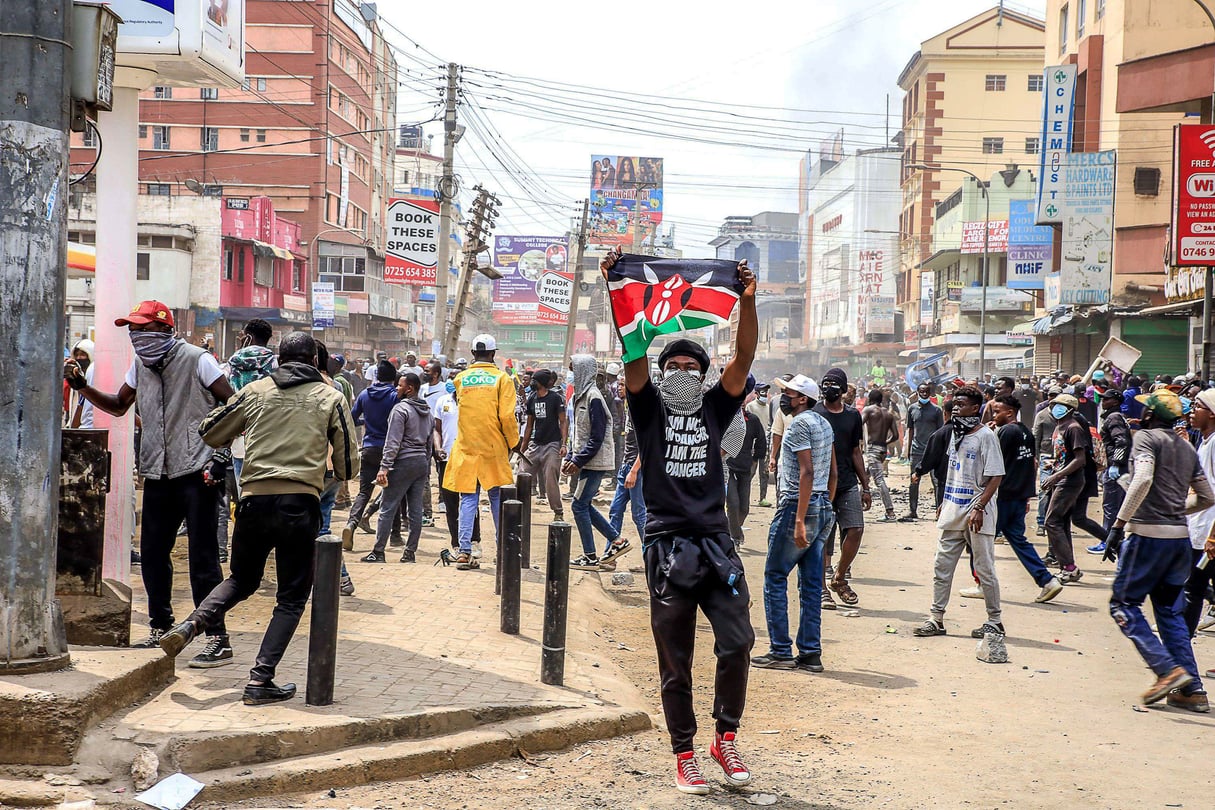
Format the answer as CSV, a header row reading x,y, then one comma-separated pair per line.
x,y
401,760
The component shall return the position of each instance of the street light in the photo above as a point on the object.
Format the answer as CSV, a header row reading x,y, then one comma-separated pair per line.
x,y
986,256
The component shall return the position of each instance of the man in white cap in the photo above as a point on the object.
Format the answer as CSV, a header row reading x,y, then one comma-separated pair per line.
x,y
803,520
486,433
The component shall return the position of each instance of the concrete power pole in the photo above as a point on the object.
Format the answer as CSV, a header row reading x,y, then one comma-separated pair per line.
x,y
34,61
447,195
579,251
484,212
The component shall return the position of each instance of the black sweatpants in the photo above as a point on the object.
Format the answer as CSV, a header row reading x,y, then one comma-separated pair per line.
x,y
166,502
369,465
673,621
288,526
1196,591
738,500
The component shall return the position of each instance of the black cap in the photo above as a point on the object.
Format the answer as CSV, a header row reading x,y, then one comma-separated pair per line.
x,y
686,347
837,376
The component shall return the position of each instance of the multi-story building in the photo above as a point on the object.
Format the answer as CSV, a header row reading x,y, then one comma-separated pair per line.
x,y
1142,65
972,100
768,241
313,128
850,213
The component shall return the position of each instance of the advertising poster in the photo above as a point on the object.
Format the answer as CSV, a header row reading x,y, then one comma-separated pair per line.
x,y
928,280
324,307
879,315
144,18
1088,228
1030,247
1193,227
1058,97
626,199
535,287
411,253
975,233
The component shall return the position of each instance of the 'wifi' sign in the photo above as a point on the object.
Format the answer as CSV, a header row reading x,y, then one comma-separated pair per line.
x,y
1193,220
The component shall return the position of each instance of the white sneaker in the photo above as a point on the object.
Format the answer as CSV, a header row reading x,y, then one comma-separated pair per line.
x,y
1207,621
1050,590
442,508
971,593
476,551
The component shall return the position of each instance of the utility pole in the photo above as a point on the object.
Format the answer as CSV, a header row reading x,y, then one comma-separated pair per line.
x,y
447,195
484,213
35,61
579,251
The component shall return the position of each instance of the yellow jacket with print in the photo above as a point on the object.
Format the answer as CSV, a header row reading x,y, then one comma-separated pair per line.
x,y
487,430
290,419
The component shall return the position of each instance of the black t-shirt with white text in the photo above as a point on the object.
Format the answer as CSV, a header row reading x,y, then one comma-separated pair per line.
x,y
848,435
681,470
545,412
1020,480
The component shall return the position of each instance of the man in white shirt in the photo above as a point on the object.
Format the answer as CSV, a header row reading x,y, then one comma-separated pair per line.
x,y
1201,524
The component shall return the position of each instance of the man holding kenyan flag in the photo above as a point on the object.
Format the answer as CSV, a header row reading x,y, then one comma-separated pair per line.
x,y
690,558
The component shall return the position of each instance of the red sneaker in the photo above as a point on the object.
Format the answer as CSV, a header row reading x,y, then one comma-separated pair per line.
x,y
688,778
723,751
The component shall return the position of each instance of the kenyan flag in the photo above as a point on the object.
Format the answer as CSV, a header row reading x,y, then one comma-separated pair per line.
x,y
652,297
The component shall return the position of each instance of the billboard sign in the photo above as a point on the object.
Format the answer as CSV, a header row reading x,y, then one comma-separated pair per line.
x,y
536,287
999,299
1058,98
626,199
324,307
928,280
1183,284
411,254
1030,247
994,232
879,315
188,42
1193,226
1087,207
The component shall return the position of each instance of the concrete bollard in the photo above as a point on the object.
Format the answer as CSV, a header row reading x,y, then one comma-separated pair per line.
x,y
523,486
507,493
511,575
556,605
322,633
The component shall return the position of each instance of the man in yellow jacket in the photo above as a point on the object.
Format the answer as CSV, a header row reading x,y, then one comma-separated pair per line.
x,y
487,431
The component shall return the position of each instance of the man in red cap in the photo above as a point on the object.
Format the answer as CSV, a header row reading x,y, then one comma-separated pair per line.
x,y
174,385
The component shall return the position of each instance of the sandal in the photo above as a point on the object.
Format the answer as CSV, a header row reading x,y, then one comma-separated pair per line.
x,y
930,627
844,591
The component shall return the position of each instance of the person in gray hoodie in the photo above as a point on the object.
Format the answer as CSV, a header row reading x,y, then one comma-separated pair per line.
x,y
404,467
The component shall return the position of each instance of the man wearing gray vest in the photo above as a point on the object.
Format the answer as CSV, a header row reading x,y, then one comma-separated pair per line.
x,y
174,385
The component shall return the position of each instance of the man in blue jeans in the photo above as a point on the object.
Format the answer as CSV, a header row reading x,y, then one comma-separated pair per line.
x,y
1016,488
1155,558
591,457
804,517
628,489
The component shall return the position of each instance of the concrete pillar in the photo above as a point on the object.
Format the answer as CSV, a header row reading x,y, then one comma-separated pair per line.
x,y
117,236
33,251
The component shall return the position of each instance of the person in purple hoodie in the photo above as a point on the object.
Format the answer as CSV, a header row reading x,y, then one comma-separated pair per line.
x,y
371,410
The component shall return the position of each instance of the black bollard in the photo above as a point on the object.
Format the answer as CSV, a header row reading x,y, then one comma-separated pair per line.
x,y
322,633
511,575
507,493
556,604
523,486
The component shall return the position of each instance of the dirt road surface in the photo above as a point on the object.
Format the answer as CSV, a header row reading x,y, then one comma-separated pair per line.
x,y
895,721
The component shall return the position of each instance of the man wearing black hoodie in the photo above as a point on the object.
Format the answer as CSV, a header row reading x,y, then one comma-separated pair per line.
x,y
404,467
371,409
291,420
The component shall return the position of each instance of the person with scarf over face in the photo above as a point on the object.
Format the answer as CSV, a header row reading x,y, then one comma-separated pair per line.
x,y
690,559
967,517
591,457
176,386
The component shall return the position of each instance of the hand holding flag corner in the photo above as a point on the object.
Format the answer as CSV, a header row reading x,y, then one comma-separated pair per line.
x,y
652,297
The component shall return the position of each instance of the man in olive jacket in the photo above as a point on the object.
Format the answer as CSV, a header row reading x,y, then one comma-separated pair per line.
x,y
290,419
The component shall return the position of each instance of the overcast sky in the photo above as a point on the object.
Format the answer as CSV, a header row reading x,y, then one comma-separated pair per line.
x,y
825,64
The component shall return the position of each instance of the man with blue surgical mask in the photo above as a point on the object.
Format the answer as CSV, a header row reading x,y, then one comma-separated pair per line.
x,y
175,385
1069,484
923,419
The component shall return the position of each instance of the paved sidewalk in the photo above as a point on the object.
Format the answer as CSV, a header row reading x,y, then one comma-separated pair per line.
x,y
416,640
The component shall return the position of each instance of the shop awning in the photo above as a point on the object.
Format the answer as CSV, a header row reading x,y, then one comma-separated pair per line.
x,y
267,249
1178,308
271,315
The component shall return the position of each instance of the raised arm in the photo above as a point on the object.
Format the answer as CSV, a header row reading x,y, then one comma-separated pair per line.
x,y
734,378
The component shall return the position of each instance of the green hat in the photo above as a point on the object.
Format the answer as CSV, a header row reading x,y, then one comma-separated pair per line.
x,y
1163,403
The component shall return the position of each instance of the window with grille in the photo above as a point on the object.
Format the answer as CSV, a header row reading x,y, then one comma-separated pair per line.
x,y
160,91
1036,81
213,191
160,189
261,136
208,93
160,138
993,146
1080,15
1147,181
1063,17
89,137
143,266
995,82
1032,145
244,135
227,265
143,131
209,139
